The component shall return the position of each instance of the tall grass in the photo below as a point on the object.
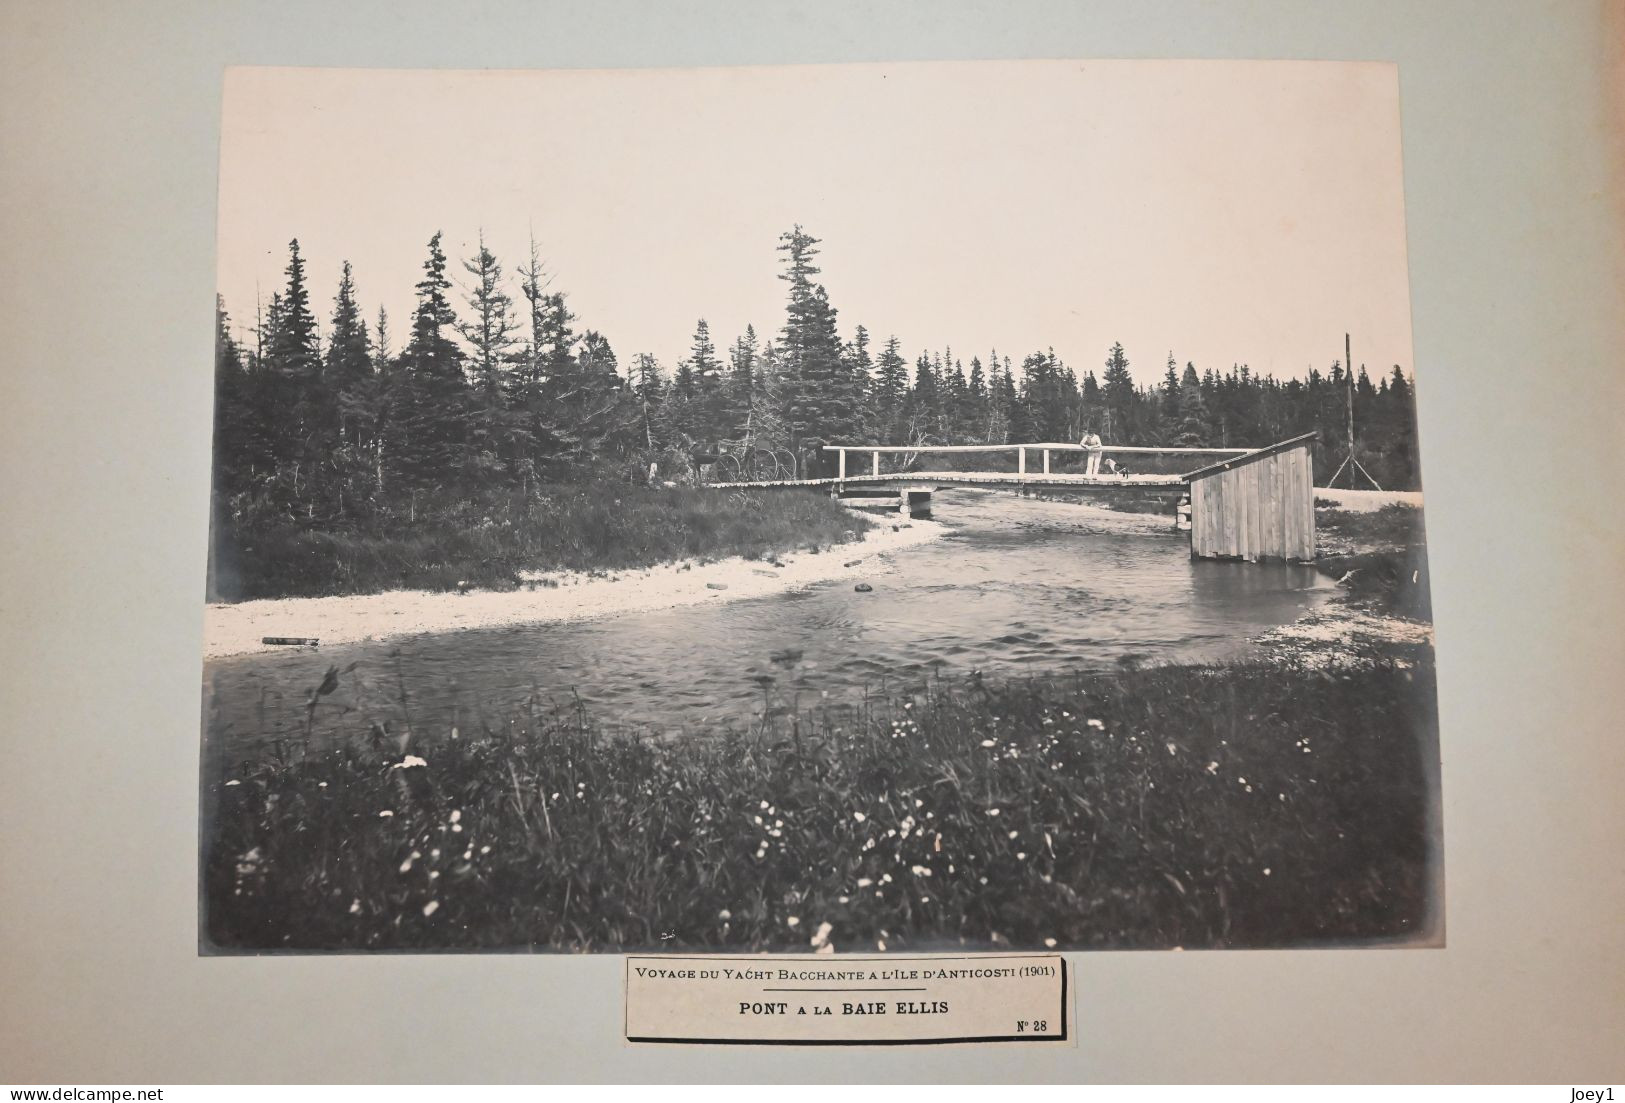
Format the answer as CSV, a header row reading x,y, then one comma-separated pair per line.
x,y
441,542
1190,806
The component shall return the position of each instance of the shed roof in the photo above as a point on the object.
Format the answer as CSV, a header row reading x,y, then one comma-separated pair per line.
x,y
1250,457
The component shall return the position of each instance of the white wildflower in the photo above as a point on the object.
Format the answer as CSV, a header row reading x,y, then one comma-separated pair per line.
x,y
430,908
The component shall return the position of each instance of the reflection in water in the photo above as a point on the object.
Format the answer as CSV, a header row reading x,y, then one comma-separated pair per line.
x,y
1015,588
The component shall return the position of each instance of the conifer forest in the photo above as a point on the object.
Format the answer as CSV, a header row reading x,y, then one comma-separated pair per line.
x,y
494,387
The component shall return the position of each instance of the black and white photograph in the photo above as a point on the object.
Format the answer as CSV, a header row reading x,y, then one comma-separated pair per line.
x,y
942,506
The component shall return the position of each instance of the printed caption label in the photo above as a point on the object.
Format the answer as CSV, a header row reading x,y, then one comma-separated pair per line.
x,y
867,999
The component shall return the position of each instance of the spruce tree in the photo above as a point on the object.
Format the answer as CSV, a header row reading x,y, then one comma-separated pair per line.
x,y
648,393
976,403
349,366
890,389
1118,425
858,379
489,330
351,379
739,388
926,401
819,396
1193,430
295,386
1171,389
709,418
386,393
432,421
528,419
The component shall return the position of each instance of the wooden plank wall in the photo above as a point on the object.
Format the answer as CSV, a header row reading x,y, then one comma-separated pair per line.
x,y
1259,509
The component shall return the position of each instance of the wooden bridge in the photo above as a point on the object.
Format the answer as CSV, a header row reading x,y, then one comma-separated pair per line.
x,y
1253,504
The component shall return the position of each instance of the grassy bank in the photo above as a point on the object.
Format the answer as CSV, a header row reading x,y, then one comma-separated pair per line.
x,y
486,543
1255,805
1380,555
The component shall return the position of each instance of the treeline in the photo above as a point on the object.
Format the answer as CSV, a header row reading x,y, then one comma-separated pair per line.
x,y
498,394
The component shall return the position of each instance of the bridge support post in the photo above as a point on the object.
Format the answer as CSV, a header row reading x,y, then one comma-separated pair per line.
x,y
1021,468
1046,461
876,471
841,469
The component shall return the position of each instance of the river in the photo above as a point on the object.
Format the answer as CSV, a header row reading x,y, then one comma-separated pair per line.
x,y
1015,587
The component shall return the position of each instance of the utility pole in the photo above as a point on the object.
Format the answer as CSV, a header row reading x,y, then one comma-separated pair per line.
x,y
1348,385
1349,461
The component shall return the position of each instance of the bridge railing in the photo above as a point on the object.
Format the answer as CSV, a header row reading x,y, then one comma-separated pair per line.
x,y
1021,450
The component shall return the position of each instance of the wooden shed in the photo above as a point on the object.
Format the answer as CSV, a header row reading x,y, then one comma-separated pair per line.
x,y
1257,506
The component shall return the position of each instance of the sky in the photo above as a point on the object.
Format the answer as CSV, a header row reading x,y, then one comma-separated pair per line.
x,y
1226,212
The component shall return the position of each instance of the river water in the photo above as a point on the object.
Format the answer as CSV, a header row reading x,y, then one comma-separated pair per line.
x,y
1015,587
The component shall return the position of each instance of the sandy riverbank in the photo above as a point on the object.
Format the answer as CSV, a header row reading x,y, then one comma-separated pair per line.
x,y
1364,501
237,629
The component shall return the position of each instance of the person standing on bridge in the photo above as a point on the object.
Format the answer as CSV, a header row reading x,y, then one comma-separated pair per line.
x,y
1091,441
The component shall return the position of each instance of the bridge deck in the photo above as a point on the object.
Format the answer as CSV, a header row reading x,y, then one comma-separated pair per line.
x,y
973,478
